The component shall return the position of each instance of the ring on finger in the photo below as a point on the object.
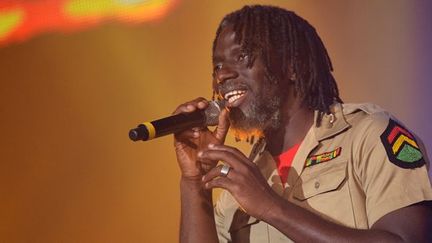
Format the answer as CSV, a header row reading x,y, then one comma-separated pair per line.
x,y
225,170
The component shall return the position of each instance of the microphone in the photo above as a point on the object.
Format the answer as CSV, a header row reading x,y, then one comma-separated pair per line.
x,y
176,123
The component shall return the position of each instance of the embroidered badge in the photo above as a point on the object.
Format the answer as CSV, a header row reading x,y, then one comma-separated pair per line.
x,y
401,146
324,157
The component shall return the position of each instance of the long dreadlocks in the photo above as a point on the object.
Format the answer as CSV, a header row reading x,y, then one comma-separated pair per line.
x,y
288,45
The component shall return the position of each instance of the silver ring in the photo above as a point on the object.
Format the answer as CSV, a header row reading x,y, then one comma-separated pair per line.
x,y
225,170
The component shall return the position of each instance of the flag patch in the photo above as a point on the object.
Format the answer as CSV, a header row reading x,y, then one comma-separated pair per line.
x,y
401,147
324,157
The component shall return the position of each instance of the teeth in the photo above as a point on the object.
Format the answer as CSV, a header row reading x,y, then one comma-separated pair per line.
x,y
234,98
234,95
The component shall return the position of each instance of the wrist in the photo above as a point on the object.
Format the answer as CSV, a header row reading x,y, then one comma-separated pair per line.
x,y
273,209
194,185
191,179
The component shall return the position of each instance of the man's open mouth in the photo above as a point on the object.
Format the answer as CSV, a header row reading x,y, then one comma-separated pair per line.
x,y
235,97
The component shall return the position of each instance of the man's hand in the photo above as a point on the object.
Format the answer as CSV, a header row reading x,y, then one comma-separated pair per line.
x,y
244,180
187,143
197,222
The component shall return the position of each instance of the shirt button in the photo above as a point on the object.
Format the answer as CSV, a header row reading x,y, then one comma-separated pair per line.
x,y
317,185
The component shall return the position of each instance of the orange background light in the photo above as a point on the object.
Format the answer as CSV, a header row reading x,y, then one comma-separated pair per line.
x,y
69,93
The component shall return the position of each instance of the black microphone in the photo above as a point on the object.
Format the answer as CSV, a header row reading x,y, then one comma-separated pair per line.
x,y
177,123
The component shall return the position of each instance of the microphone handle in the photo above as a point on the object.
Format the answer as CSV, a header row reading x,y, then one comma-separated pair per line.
x,y
167,125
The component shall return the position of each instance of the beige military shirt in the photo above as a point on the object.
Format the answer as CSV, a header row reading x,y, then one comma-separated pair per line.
x,y
356,166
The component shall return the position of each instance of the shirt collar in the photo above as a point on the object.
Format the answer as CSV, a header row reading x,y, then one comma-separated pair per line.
x,y
330,125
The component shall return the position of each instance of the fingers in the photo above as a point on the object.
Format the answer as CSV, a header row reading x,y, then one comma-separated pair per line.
x,y
226,152
207,165
216,172
191,106
228,158
190,133
220,182
231,156
187,135
214,178
222,128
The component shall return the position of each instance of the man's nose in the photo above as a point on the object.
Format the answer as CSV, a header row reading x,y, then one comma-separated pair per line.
x,y
224,74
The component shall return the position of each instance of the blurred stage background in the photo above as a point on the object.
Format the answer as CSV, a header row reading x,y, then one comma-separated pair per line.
x,y
76,75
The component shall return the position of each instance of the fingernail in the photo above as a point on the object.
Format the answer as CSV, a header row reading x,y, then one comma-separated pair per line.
x,y
211,145
206,185
200,153
203,178
196,134
189,107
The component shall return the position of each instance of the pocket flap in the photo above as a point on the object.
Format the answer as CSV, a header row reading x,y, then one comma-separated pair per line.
x,y
323,178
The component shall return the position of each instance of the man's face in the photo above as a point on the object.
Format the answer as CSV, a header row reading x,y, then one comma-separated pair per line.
x,y
253,99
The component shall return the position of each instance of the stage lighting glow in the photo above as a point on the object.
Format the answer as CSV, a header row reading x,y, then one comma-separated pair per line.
x,y
21,19
9,20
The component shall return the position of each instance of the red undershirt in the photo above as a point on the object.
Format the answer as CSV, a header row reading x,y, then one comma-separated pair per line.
x,y
284,162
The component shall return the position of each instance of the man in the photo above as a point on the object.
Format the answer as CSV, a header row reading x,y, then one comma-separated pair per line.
x,y
322,170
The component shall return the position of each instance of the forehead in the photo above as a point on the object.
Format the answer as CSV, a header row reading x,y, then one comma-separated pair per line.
x,y
226,44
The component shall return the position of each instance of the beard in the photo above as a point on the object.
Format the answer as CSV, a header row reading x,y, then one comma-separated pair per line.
x,y
262,114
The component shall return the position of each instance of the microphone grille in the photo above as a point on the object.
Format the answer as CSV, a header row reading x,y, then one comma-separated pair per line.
x,y
212,112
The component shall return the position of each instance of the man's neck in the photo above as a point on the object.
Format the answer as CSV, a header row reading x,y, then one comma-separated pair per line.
x,y
296,122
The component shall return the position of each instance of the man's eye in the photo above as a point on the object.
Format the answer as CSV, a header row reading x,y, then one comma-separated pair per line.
x,y
217,67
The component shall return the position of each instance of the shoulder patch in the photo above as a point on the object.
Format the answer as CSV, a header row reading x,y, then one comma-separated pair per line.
x,y
401,147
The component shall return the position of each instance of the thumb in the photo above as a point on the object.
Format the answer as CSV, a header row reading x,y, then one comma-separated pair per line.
x,y
222,128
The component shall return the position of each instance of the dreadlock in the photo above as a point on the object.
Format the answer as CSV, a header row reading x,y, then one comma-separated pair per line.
x,y
288,45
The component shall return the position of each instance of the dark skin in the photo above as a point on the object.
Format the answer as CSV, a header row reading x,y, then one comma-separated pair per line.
x,y
245,182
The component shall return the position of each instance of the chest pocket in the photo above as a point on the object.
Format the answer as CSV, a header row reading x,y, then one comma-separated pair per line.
x,y
321,178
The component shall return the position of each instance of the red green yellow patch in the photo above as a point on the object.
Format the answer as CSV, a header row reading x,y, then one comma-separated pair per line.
x,y
401,147
324,157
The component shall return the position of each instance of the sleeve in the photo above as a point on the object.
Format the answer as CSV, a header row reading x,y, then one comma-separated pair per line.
x,y
391,167
220,218
226,206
